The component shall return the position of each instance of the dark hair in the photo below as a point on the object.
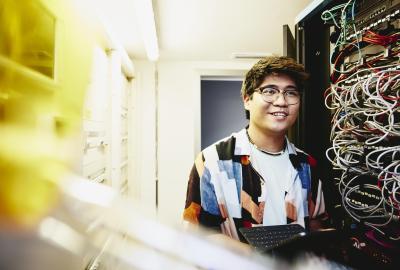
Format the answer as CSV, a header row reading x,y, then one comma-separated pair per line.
x,y
273,65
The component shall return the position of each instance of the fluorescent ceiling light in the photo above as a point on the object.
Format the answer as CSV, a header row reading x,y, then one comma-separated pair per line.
x,y
250,55
145,19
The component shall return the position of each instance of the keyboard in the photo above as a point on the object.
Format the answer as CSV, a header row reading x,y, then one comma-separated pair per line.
x,y
264,238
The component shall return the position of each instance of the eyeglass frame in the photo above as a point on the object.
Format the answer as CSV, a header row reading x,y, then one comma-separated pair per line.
x,y
280,91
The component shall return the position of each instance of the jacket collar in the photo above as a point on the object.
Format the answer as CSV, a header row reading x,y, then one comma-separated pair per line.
x,y
242,147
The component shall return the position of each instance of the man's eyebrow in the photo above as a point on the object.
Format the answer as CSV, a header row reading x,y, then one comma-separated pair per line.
x,y
291,87
269,85
276,86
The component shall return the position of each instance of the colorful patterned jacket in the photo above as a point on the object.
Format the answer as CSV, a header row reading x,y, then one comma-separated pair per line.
x,y
224,188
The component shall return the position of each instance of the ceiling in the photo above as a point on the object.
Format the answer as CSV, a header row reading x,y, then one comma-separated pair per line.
x,y
206,29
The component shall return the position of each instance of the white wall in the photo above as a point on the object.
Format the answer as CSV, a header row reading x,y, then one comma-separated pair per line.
x,y
143,134
176,136
178,133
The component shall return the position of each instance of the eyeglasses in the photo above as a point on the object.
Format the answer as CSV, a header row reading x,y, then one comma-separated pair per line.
x,y
271,94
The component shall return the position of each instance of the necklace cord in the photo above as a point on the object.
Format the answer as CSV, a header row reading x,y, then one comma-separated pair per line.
x,y
266,151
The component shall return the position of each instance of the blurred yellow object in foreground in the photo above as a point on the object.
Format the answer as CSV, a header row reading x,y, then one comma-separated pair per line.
x,y
28,173
45,59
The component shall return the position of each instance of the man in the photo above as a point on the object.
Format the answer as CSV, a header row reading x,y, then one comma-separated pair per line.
x,y
256,176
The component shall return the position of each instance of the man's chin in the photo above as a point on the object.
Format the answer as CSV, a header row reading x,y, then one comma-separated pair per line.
x,y
276,131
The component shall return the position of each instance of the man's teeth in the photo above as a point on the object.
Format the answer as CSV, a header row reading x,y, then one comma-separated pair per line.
x,y
279,114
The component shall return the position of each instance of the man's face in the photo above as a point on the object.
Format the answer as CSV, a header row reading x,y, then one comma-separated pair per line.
x,y
277,116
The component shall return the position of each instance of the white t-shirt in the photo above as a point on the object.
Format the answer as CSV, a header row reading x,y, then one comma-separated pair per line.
x,y
277,173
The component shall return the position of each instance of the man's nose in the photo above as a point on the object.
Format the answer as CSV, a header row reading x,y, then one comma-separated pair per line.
x,y
280,99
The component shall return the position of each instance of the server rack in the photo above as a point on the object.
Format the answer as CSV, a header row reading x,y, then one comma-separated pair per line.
x,y
312,50
375,51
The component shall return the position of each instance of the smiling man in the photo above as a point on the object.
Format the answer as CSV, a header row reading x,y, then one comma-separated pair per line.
x,y
256,176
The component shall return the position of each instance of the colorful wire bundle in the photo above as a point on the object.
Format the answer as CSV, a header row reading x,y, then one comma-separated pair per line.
x,y
365,134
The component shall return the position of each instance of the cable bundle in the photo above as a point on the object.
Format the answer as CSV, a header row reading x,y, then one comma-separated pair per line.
x,y
365,100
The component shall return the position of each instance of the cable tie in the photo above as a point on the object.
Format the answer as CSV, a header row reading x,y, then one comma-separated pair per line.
x,y
386,52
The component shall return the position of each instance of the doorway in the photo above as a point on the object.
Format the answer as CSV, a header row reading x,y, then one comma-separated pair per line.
x,y
222,111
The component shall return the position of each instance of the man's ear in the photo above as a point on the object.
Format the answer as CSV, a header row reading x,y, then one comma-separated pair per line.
x,y
246,100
